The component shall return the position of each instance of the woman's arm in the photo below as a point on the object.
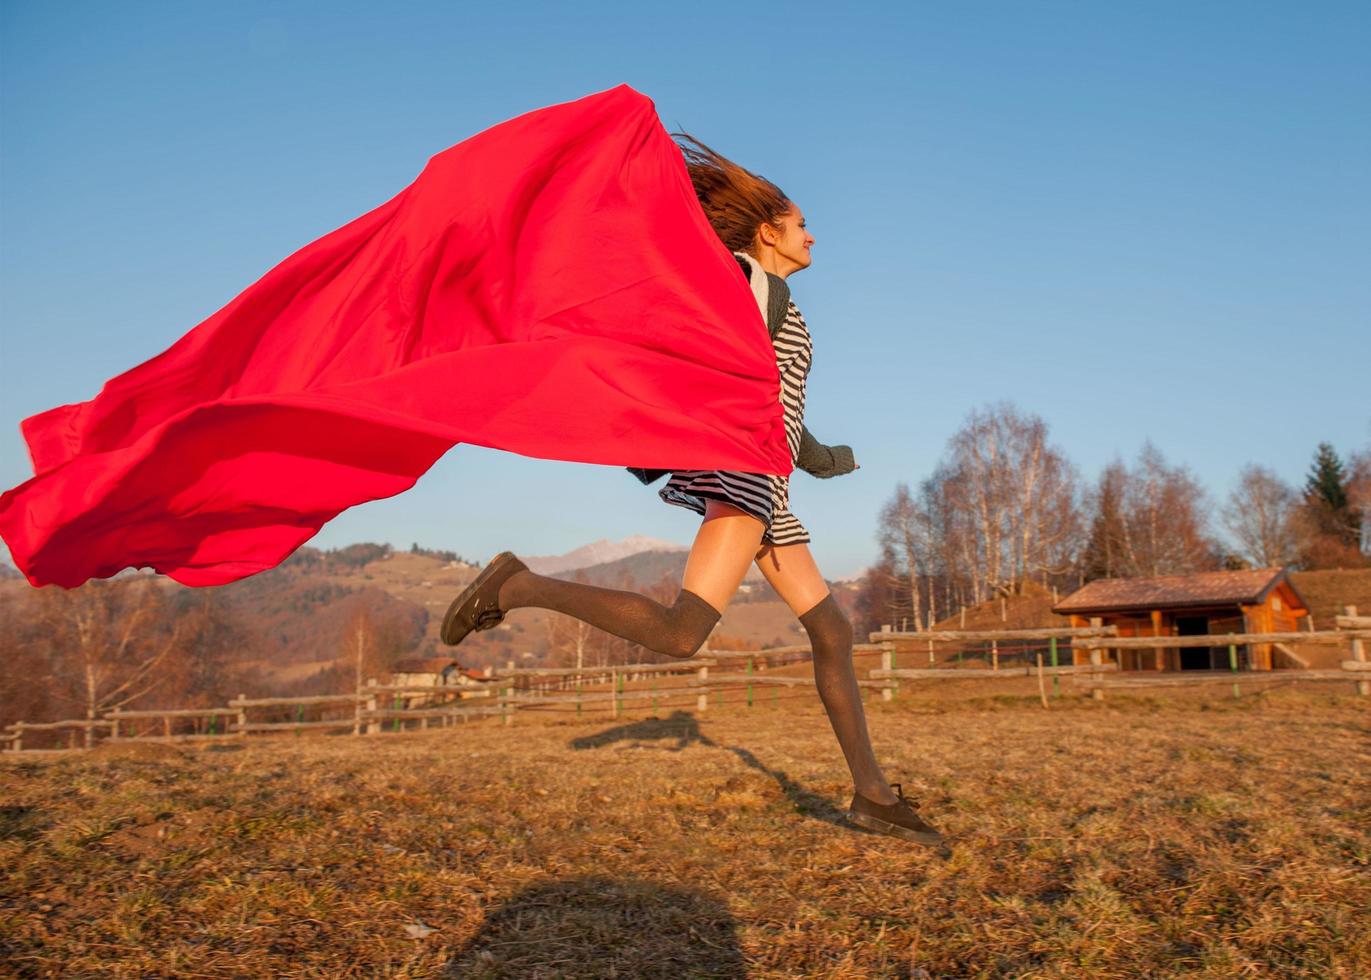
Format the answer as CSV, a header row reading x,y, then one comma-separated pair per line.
x,y
823,461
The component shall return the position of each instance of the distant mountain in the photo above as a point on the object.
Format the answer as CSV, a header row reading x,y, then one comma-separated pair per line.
x,y
856,576
636,571
8,571
599,553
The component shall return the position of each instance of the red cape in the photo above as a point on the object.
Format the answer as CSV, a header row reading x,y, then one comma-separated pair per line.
x,y
549,287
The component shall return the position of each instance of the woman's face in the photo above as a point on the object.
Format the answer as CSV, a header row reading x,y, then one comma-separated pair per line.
x,y
791,241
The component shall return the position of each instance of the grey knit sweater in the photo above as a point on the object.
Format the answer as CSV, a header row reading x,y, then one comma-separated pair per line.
x,y
813,457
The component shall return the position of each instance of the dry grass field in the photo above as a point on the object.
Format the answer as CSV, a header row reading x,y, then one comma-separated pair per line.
x,y
1134,838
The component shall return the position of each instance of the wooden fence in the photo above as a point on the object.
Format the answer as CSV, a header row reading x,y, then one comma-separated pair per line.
x,y
1098,675
374,706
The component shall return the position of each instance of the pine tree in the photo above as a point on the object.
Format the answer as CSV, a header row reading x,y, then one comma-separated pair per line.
x,y
1327,481
1103,550
1334,525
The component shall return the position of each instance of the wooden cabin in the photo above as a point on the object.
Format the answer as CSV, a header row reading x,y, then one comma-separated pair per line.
x,y
1259,600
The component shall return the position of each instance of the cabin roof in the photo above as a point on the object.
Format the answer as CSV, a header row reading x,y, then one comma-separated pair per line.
x,y
1246,587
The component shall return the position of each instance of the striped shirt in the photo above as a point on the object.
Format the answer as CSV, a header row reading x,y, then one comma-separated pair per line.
x,y
764,495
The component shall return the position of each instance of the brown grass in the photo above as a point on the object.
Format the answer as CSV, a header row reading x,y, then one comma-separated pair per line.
x,y
1136,838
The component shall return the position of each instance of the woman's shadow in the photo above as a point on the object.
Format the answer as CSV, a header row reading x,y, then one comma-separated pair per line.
x,y
604,927
683,727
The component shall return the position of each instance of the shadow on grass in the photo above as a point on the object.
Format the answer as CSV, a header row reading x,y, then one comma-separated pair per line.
x,y
684,728
604,927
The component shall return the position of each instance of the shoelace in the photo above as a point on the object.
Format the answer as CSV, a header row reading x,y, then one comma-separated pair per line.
x,y
899,792
488,618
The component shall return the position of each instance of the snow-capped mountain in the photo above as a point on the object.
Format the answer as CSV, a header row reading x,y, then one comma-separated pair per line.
x,y
598,553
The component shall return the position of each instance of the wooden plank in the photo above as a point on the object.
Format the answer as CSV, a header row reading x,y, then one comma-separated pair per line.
x,y
1224,677
1362,665
949,673
241,702
1215,640
590,696
35,726
462,690
971,673
283,726
950,636
187,737
684,666
177,713
387,714
764,679
1352,622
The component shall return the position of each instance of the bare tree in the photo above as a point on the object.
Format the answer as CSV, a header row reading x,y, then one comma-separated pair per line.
x,y
1165,519
360,646
1359,493
1003,507
1103,557
110,642
1260,516
903,535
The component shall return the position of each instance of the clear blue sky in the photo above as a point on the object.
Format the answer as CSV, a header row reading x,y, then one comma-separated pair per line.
x,y
1138,220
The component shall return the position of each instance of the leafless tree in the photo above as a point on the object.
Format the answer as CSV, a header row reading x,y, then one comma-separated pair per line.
x,y
1359,493
1002,507
1165,519
1260,515
110,642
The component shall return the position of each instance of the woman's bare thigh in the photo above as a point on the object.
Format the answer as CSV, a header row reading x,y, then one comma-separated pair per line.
x,y
793,573
724,546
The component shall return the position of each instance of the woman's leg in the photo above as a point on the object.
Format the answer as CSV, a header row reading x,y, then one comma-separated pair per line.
x,y
724,546
796,578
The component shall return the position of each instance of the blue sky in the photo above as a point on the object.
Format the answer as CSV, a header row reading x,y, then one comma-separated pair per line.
x,y
1137,220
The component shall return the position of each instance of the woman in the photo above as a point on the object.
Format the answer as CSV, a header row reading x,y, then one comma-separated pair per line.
x,y
746,515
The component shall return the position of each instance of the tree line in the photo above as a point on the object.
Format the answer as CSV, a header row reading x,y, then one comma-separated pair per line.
x,y
1005,506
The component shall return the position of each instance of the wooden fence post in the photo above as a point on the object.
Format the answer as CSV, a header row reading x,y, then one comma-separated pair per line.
x,y
373,726
1358,653
614,694
242,717
887,663
1056,679
1096,660
702,699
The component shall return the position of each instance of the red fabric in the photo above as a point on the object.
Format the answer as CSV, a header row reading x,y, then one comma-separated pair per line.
x,y
549,287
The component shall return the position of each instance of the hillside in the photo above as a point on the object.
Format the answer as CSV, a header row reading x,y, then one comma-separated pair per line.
x,y
287,624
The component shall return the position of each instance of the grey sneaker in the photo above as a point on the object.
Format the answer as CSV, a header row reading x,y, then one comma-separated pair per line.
x,y
476,607
897,819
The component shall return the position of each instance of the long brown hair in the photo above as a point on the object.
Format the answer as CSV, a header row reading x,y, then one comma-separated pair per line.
x,y
735,200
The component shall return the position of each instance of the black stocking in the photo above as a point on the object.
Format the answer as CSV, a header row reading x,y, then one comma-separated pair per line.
x,y
677,630
830,635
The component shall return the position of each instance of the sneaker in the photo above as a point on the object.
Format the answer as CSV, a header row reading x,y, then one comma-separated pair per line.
x,y
476,608
897,819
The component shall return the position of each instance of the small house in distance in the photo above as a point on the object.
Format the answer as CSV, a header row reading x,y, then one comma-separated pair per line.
x,y
1259,600
435,671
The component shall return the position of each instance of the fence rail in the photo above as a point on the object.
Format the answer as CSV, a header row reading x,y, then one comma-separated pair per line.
x,y
511,690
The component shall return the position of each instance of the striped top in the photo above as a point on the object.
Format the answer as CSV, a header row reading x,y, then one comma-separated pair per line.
x,y
764,495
